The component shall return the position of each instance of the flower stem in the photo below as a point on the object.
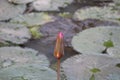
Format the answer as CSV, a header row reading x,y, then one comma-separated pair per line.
x,y
58,69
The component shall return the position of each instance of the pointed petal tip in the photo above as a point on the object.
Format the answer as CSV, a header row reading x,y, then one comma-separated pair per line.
x,y
60,34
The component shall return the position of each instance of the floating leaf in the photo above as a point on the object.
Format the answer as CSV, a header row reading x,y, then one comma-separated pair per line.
x,y
114,51
16,55
79,67
20,1
108,44
14,33
116,1
102,13
50,5
116,5
8,10
24,64
27,72
33,19
90,41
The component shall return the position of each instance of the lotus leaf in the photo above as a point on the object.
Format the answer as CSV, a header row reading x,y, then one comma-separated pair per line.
x,y
116,1
14,33
27,72
79,67
116,5
8,10
96,40
50,5
114,51
101,13
33,19
24,64
20,1
16,56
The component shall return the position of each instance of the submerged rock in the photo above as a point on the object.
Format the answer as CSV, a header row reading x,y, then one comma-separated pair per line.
x,y
85,67
96,40
8,10
14,33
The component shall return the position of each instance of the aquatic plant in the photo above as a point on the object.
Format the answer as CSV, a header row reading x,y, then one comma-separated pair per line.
x,y
32,19
8,10
97,40
101,13
49,5
91,67
14,33
24,64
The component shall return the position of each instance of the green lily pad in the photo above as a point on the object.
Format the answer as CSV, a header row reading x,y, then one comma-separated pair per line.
x,y
101,13
50,5
24,64
27,72
35,33
114,51
14,33
96,40
20,1
33,19
116,5
116,1
8,10
79,67
10,56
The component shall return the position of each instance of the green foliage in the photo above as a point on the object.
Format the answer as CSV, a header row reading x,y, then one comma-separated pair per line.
x,y
95,70
108,44
65,15
92,77
35,33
